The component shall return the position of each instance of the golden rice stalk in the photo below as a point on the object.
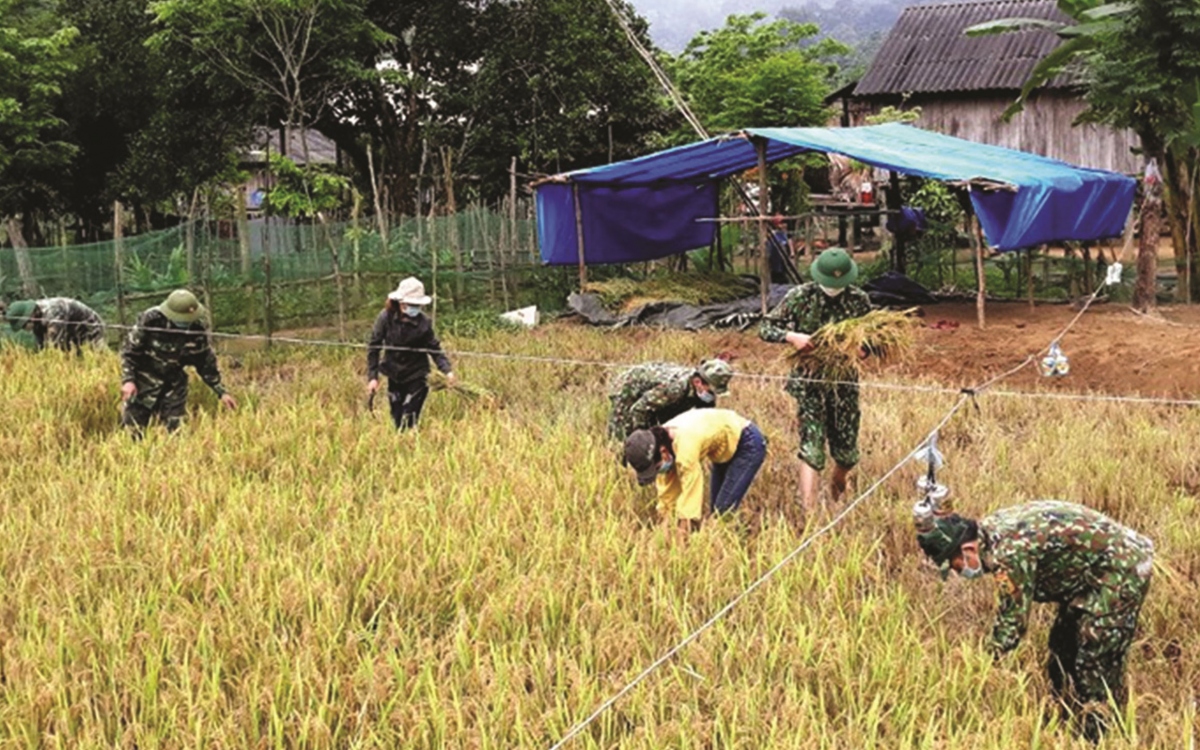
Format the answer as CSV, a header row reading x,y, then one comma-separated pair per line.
x,y
886,334
437,381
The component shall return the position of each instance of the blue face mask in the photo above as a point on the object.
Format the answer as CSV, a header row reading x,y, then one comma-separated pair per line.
x,y
177,324
707,397
666,466
411,311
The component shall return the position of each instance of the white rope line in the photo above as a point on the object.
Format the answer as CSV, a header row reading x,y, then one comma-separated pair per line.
x,y
740,375
579,727
967,393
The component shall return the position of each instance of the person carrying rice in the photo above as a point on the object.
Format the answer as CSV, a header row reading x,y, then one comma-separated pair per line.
x,y
826,396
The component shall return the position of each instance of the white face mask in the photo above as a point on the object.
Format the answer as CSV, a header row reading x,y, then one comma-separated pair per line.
x,y
411,311
830,291
970,573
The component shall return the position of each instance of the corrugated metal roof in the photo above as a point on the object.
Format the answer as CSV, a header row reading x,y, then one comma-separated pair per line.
x,y
927,50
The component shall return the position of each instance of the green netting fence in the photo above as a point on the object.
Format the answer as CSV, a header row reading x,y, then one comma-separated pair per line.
x,y
271,274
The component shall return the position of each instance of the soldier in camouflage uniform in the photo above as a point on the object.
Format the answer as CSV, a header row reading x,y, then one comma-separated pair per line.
x,y
1095,569
651,394
827,411
165,339
58,321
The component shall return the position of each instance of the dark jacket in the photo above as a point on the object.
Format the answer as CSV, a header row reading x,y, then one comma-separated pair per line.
x,y
155,352
406,344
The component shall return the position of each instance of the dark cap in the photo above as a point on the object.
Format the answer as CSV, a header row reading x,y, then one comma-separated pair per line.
x,y
946,538
641,454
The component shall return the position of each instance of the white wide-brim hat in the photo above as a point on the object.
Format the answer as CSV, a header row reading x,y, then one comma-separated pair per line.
x,y
411,292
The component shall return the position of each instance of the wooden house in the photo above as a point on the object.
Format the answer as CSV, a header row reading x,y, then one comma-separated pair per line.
x,y
962,84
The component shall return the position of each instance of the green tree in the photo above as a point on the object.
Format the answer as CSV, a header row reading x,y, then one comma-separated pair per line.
x,y
1140,64
294,55
149,124
560,87
1145,75
35,60
753,73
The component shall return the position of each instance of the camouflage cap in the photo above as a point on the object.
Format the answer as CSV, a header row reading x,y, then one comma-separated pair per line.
x,y
717,373
19,313
181,306
942,542
641,455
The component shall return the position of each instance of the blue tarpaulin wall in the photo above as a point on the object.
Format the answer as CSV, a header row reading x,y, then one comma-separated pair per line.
x,y
648,207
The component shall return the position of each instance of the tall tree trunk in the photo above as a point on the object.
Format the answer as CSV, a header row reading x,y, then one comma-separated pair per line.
x,y
1145,288
1176,199
16,236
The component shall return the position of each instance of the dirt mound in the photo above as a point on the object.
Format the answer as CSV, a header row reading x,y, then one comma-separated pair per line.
x,y
1112,349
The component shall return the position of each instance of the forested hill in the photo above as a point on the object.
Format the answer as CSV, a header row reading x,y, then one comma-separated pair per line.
x,y
673,23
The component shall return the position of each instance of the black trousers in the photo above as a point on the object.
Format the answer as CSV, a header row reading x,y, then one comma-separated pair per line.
x,y
406,401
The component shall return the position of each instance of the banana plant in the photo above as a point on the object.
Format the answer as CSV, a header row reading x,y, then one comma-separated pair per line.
x,y
1089,20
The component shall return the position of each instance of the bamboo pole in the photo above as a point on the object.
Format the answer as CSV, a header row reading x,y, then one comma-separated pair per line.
x,y
189,237
579,238
764,268
380,219
1029,276
118,258
513,234
499,250
980,297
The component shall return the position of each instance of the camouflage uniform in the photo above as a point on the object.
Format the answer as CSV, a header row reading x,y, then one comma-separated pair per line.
x,y
1098,572
67,324
650,394
153,359
824,410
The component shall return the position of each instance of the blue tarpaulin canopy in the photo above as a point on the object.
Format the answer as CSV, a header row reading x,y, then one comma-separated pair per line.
x,y
650,207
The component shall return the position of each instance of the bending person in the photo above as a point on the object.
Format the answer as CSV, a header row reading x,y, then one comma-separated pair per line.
x,y
673,455
60,322
1096,570
651,394
165,339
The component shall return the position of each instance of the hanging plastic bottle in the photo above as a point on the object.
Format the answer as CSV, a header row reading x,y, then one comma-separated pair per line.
x,y
1055,363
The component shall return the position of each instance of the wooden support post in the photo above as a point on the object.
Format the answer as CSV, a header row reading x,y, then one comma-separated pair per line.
x,y
579,238
760,145
809,238
980,297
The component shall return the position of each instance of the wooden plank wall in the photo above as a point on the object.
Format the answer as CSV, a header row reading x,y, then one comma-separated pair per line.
x,y
1044,127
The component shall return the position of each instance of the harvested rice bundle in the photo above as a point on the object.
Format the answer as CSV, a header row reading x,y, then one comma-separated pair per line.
x,y
437,381
886,334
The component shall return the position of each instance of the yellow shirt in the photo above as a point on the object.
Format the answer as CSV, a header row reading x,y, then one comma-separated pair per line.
x,y
699,435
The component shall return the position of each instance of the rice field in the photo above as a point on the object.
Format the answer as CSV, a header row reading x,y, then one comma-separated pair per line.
x,y
298,575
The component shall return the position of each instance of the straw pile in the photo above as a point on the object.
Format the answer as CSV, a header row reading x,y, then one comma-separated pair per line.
x,y
694,288
437,381
886,334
